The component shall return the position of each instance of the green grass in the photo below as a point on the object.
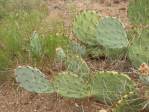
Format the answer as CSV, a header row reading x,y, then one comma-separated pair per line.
x,y
18,20
138,11
3,60
52,42
16,31
139,50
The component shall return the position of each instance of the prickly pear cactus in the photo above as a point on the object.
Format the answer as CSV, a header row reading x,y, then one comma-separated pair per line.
x,y
129,103
77,65
35,45
74,63
139,50
108,87
111,34
138,11
70,85
60,54
33,80
76,48
84,27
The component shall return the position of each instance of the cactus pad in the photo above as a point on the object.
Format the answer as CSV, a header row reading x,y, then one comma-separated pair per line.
x,y
131,103
84,27
73,62
60,54
35,45
33,80
111,34
110,86
77,48
76,64
70,85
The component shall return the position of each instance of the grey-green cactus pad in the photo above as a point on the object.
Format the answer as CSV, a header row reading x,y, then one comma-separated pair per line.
x,y
76,64
77,48
111,34
33,80
131,104
35,45
73,62
84,27
70,85
139,51
110,86
60,54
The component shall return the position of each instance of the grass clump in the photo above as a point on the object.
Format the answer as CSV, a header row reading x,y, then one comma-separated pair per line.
x,y
138,11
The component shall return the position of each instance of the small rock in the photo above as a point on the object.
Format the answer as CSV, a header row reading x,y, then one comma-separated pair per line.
x,y
123,8
103,110
116,1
